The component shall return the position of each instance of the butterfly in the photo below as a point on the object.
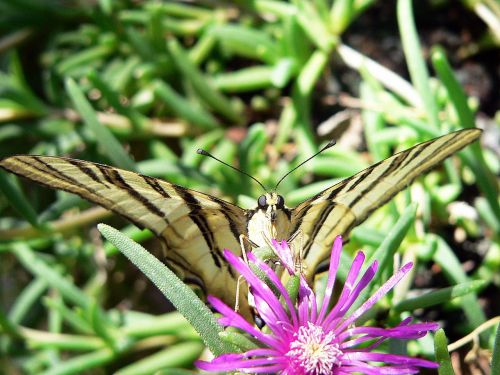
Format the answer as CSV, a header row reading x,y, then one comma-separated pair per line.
x,y
194,227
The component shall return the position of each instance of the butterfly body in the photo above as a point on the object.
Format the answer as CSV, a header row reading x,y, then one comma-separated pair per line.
x,y
195,228
270,219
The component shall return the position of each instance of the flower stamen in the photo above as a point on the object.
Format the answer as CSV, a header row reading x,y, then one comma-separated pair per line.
x,y
314,351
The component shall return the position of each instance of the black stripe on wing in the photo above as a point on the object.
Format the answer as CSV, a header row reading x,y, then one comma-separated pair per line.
x,y
197,216
369,189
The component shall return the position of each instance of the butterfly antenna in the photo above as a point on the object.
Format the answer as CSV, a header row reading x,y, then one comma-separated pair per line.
x,y
330,144
200,151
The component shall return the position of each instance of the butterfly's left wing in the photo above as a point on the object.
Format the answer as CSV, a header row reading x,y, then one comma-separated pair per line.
x,y
336,210
194,228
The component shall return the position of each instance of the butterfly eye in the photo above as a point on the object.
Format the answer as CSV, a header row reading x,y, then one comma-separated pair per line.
x,y
262,201
280,201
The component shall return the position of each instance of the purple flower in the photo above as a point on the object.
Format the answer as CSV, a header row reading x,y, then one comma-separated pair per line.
x,y
306,339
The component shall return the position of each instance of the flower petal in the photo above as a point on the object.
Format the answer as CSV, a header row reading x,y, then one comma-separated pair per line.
x,y
233,319
350,350
391,358
414,331
348,302
305,300
363,368
259,287
382,291
332,274
240,363
285,254
348,285
273,277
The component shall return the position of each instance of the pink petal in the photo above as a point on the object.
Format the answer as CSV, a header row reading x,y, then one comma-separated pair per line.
x,y
391,358
403,332
228,364
273,277
285,255
233,319
366,369
348,285
258,286
382,291
360,286
332,274
305,300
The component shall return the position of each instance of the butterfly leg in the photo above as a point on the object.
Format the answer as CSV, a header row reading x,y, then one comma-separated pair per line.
x,y
297,234
237,302
244,241
298,256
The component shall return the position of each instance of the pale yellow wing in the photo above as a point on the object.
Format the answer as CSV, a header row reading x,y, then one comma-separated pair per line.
x,y
341,207
194,227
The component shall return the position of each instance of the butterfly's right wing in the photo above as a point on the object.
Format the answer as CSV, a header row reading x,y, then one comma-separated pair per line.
x,y
338,209
194,227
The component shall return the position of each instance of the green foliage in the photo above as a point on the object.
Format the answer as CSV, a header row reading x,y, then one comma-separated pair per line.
x,y
442,355
142,85
495,360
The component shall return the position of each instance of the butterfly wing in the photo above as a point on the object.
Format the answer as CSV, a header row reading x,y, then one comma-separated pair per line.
x,y
336,210
193,227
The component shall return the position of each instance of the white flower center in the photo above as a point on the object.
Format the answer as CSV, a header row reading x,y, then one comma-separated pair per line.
x,y
314,351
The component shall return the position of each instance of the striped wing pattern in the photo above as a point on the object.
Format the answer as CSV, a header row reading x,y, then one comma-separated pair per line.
x,y
336,210
193,227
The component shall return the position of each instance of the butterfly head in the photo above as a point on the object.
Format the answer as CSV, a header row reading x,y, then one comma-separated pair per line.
x,y
271,204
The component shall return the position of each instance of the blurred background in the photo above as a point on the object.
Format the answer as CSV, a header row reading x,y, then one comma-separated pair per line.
x,y
262,85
